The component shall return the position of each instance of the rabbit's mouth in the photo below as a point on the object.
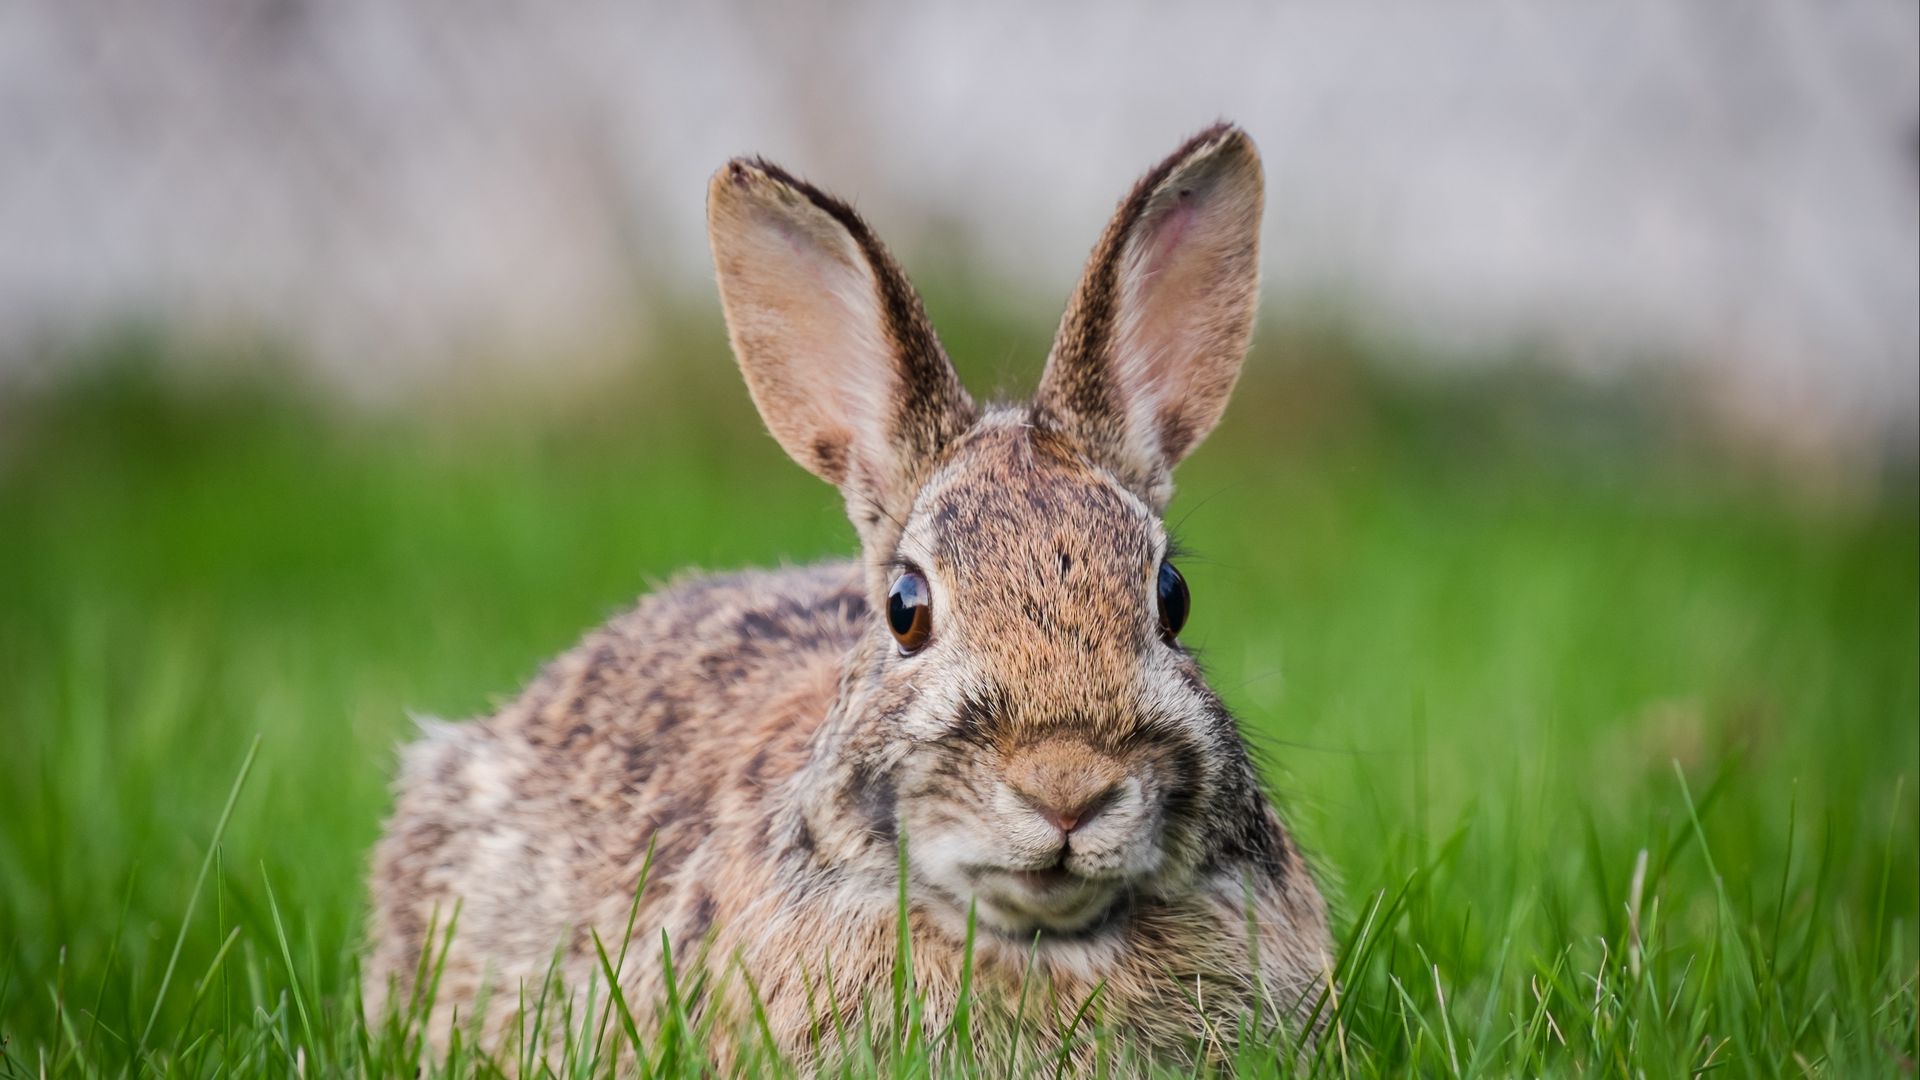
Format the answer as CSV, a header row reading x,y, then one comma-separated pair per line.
x,y
1055,900
1043,881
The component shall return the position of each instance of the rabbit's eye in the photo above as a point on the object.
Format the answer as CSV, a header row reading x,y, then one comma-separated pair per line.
x,y
1174,601
910,611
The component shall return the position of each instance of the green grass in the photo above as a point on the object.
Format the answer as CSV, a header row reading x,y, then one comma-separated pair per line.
x,y
1604,743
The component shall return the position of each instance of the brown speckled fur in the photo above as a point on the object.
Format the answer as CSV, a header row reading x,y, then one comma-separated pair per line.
x,y
762,734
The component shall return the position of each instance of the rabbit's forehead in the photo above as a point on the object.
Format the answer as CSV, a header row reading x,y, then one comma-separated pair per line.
x,y
1033,541
1012,495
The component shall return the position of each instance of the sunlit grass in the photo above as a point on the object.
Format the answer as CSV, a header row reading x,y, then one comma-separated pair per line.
x,y
1604,747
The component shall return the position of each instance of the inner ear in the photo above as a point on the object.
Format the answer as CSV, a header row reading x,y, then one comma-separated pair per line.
x,y
832,339
1153,339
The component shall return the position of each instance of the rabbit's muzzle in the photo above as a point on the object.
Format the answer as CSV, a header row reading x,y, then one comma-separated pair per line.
x,y
1068,834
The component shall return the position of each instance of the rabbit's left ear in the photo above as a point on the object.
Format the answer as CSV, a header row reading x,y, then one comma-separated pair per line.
x,y
834,343
1153,338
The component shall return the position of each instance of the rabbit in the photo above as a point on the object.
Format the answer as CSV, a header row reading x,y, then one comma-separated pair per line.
x,y
982,738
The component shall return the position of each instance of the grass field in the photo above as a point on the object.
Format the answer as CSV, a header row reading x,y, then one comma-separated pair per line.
x,y
1605,743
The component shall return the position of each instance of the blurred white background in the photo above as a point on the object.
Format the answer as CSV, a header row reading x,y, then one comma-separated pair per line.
x,y
405,189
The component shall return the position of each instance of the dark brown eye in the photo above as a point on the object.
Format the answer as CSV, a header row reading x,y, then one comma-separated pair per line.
x,y
1174,601
910,611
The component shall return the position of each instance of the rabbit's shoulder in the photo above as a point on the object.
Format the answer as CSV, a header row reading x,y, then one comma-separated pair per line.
x,y
704,647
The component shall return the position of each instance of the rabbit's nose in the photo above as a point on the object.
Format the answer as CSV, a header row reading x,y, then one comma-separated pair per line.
x,y
1065,781
1076,812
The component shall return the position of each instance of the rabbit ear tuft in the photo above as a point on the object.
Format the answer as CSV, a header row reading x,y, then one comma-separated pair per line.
x,y
834,343
1154,336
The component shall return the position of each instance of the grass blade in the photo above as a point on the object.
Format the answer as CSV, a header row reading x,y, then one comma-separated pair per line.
x,y
199,882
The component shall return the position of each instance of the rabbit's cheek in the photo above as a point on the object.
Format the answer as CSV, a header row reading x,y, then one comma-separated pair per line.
x,y
940,857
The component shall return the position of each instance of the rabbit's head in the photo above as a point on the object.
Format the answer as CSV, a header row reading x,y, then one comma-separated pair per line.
x,y
1021,705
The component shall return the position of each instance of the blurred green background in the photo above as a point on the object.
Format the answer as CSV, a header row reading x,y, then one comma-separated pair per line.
x,y
1481,628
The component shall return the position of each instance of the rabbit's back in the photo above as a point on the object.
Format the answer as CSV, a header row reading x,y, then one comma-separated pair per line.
x,y
666,731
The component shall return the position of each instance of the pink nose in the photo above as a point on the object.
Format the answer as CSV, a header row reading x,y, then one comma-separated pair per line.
x,y
1065,780
1074,811
1064,821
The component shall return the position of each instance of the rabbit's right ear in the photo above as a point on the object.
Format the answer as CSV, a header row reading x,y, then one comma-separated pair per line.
x,y
834,343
